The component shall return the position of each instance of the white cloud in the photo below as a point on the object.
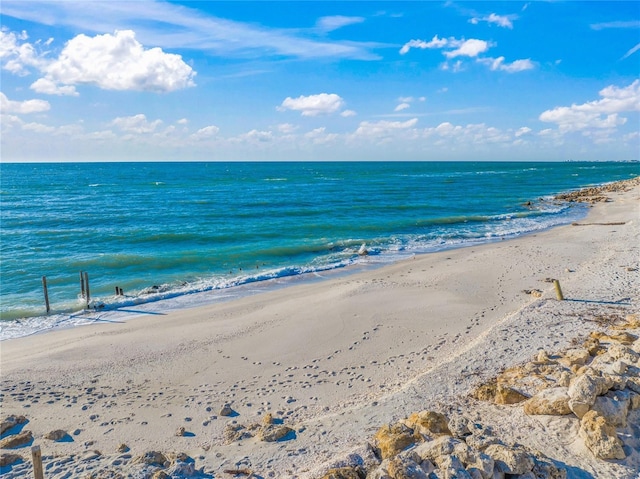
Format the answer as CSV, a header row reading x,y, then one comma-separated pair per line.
x,y
601,113
286,128
17,55
136,124
617,24
522,131
631,51
184,27
313,105
119,62
348,113
504,21
206,132
38,128
383,128
48,87
182,121
468,48
454,47
402,106
328,24
22,107
434,43
513,67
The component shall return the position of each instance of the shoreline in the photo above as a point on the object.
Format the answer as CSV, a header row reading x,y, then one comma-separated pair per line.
x,y
336,358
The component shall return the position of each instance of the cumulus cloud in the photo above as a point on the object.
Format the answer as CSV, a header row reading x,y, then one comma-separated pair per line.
x,y
136,124
328,24
206,132
383,128
348,113
22,107
453,47
513,67
17,55
603,113
504,21
48,87
313,105
468,48
118,62
522,131
402,106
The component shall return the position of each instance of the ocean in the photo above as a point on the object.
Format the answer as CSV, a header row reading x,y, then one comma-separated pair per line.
x,y
174,235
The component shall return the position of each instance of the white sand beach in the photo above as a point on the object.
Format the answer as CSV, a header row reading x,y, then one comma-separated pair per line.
x,y
333,359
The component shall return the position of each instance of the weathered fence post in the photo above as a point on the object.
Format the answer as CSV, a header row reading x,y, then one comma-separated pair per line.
x,y
559,294
46,293
36,457
82,285
86,287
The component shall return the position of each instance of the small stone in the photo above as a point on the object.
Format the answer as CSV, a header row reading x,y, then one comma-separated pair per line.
x,y
57,435
8,459
153,458
226,410
122,448
181,431
274,432
508,395
267,419
341,473
510,460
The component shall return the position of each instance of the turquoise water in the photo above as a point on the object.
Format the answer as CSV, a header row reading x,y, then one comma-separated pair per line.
x,y
161,230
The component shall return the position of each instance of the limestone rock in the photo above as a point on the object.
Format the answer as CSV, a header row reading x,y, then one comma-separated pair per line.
x,y
545,468
459,426
160,475
452,468
510,460
273,432
474,460
267,419
17,440
432,450
583,391
391,439
181,431
400,467
429,423
153,458
342,473
613,407
8,459
235,432
123,448
57,435
508,395
552,401
624,353
600,437
592,345
226,410
574,357
11,421
486,391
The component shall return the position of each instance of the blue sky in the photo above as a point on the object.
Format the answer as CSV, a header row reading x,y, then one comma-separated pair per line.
x,y
159,80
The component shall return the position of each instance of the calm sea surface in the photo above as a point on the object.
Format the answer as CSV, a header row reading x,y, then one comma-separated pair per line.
x,y
171,230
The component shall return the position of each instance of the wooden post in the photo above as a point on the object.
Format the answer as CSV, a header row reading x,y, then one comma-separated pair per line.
x,y
36,456
46,294
559,294
82,285
86,288
117,291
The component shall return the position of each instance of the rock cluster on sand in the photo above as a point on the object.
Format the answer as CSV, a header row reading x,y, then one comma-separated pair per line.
x,y
598,194
599,383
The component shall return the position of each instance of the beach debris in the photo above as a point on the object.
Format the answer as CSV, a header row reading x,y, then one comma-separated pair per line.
x,y
8,459
226,411
57,435
274,432
363,250
23,438
10,422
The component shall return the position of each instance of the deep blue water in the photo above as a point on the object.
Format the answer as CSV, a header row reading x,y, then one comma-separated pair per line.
x,y
188,227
